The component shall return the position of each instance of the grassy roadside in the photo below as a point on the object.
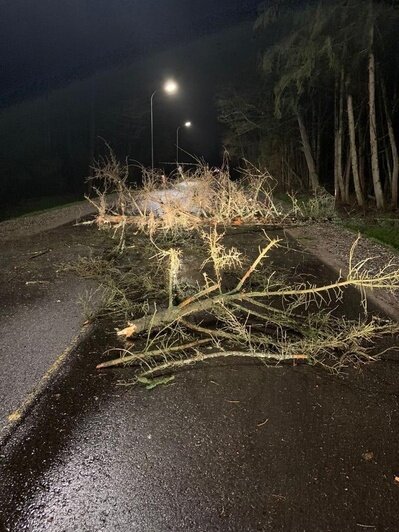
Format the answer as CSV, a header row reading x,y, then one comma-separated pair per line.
x,y
38,205
385,231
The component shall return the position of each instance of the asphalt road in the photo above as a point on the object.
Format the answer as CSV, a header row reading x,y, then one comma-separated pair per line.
x,y
233,448
227,447
40,313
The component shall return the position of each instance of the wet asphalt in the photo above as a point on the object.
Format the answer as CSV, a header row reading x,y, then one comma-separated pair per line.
x,y
226,447
40,309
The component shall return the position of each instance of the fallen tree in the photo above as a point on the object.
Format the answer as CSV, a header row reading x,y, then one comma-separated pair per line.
x,y
185,200
268,320
267,324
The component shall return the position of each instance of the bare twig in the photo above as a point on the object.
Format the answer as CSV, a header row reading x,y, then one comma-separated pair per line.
x,y
204,357
128,360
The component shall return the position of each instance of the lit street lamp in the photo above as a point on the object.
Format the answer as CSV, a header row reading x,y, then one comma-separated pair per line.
x,y
186,124
170,87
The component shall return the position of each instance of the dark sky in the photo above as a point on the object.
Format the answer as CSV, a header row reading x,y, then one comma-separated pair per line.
x,y
48,43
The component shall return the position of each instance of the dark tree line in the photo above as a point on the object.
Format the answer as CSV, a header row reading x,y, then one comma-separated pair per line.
x,y
321,108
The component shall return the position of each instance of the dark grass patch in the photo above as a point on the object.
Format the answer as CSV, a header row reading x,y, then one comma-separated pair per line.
x,y
36,205
386,232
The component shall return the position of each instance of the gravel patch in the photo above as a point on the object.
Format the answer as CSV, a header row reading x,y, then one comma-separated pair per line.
x,y
332,244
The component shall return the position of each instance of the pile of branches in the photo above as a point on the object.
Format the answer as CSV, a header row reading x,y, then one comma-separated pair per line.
x,y
185,200
272,322
258,316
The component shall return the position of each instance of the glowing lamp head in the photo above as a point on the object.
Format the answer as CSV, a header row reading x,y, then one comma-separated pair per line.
x,y
171,87
187,124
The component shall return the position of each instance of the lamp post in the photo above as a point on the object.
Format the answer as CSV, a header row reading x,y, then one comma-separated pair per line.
x,y
186,124
170,87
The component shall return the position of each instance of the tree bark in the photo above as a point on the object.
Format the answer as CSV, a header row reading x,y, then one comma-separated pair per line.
x,y
338,172
313,177
375,169
395,169
362,161
353,152
347,176
394,152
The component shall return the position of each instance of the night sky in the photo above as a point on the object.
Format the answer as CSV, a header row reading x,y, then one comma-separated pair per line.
x,y
47,43
76,75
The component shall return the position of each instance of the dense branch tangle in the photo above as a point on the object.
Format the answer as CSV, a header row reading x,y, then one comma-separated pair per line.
x,y
186,200
301,335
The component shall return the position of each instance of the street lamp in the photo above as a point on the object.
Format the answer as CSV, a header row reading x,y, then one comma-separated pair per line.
x,y
170,87
186,124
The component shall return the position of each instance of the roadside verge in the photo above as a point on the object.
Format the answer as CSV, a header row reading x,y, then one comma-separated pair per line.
x,y
35,223
332,244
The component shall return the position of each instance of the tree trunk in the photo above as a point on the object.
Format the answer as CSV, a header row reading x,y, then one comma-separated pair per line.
x,y
313,177
395,170
337,189
338,173
319,131
353,151
362,162
394,152
347,176
379,196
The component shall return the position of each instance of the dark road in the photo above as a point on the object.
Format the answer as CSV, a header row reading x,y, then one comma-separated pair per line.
x,y
226,447
41,312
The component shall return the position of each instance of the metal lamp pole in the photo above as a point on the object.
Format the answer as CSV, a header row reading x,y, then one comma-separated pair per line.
x,y
177,145
170,87
152,130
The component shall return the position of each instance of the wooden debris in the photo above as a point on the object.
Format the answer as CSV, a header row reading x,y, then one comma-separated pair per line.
x,y
128,331
147,355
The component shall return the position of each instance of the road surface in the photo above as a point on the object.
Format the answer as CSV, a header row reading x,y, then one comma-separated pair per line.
x,y
228,447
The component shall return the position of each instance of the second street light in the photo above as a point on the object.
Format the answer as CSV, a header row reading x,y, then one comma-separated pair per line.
x,y
186,124
170,87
